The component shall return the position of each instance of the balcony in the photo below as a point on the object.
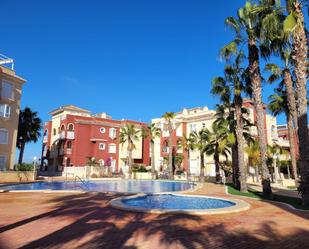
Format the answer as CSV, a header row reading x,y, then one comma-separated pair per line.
x,y
70,135
45,139
69,151
62,135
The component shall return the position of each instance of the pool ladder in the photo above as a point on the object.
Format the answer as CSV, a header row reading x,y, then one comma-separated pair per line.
x,y
84,183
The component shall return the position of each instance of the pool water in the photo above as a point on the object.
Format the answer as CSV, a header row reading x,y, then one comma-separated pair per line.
x,y
130,186
177,202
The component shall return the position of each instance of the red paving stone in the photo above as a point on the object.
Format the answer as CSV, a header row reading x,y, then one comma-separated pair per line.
x,y
66,220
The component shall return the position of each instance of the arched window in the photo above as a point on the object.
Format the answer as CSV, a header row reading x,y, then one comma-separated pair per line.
x,y
70,127
62,127
54,131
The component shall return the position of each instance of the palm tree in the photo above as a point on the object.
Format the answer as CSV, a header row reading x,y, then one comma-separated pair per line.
x,y
129,134
220,141
256,26
187,145
199,141
294,25
169,118
29,127
279,104
151,132
232,86
254,157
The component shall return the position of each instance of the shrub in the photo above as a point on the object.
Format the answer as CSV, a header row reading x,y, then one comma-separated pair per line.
x,y
139,168
24,167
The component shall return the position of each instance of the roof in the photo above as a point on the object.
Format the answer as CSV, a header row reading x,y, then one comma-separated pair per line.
x,y
69,108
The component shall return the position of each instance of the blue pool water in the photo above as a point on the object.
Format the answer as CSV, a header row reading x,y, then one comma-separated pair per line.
x,y
169,201
130,186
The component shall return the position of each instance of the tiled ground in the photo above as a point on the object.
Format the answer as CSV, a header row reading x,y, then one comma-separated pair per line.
x,y
50,220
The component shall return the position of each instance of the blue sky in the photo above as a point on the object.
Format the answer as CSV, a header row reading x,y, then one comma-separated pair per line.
x,y
132,59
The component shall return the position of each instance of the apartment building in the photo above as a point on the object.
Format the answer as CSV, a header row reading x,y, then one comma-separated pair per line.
x,y
195,119
74,135
10,95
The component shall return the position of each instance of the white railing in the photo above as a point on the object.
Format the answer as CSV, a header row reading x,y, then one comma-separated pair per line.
x,y
62,135
45,139
69,151
70,135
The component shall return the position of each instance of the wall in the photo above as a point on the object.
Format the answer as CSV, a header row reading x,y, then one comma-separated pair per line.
x,y
16,176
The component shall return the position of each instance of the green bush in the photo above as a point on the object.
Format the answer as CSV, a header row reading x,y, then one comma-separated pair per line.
x,y
24,167
139,168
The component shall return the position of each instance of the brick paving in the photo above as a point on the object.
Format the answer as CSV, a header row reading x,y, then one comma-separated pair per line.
x,y
70,220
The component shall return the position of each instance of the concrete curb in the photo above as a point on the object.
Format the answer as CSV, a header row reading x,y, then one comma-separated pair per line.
x,y
239,206
278,202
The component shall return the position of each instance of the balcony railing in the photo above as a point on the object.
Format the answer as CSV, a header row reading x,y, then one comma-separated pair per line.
x,y
69,151
45,139
70,135
62,135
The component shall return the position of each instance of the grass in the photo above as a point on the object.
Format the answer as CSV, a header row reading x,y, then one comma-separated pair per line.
x,y
295,202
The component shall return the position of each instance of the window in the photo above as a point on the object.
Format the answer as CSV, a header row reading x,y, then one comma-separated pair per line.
x,y
192,127
3,160
54,131
5,110
62,127
70,127
101,146
101,162
112,148
69,145
203,125
102,130
4,136
7,91
112,132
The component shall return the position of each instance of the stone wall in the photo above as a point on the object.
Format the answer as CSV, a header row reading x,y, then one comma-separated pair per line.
x,y
16,176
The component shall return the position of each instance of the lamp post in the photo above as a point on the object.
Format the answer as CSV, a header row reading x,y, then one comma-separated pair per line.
x,y
34,167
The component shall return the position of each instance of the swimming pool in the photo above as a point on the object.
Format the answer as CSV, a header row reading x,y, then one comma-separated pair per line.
x,y
179,203
124,186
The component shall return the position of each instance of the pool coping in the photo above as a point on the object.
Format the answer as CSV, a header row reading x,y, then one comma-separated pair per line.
x,y
239,206
197,186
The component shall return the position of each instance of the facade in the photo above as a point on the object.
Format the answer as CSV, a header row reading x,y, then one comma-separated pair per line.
x,y
10,95
73,136
195,119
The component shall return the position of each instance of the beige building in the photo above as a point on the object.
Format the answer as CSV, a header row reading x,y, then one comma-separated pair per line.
x,y
195,119
10,95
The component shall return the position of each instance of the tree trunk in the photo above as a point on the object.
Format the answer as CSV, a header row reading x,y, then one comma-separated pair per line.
x,y
170,155
235,167
217,164
291,97
257,173
202,175
21,153
299,57
152,160
292,145
130,159
188,165
255,77
242,178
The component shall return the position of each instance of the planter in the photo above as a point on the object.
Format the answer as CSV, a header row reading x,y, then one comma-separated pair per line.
x,y
180,177
142,175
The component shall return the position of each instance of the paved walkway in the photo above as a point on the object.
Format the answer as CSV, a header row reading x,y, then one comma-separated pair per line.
x,y
58,220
